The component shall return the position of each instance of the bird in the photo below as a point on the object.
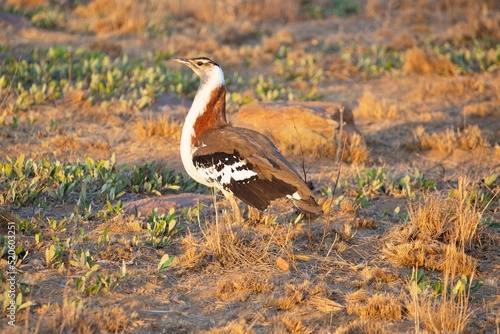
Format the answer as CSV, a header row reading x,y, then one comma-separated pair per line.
x,y
240,162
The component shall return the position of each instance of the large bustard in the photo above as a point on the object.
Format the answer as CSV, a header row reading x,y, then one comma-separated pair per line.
x,y
240,162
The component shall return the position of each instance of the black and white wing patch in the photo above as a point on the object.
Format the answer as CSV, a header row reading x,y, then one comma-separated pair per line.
x,y
234,174
221,169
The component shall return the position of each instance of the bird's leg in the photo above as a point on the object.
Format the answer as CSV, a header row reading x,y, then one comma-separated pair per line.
x,y
238,218
253,214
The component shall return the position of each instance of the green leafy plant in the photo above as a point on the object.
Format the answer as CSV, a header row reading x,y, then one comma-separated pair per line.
x,y
6,298
82,259
409,183
58,226
92,282
104,238
369,183
85,183
47,75
165,262
162,228
421,285
53,255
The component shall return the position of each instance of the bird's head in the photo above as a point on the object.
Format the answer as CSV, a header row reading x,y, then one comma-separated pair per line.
x,y
204,67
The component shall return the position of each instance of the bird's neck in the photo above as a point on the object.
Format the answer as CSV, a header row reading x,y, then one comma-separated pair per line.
x,y
208,110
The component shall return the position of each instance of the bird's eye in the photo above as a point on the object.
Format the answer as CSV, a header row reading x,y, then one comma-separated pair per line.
x,y
200,63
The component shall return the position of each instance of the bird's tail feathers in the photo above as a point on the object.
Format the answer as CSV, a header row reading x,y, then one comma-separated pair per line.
x,y
309,206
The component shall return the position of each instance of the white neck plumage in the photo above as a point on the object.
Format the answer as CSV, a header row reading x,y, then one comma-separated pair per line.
x,y
209,82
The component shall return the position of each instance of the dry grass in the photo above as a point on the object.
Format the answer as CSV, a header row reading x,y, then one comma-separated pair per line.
x,y
431,255
362,327
295,326
27,4
293,296
240,288
73,318
234,327
356,151
304,295
370,223
378,307
417,61
110,16
448,140
127,16
444,314
442,227
371,106
228,245
228,11
374,275
324,304
479,23
160,126
482,109
471,138
451,88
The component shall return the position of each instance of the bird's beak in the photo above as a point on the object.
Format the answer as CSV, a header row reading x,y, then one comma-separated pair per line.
x,y
184,61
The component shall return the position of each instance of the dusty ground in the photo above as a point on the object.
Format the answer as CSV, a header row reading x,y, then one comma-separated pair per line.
x,y
273,274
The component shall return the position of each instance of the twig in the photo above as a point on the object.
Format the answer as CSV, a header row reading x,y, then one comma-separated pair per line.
x,y
340,167
333,194
11,83
341,132
303,163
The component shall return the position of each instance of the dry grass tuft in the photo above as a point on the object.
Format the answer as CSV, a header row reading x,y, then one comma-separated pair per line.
x,y
479,23
419,62
378,307
115,319
373,107
109,16
194,256
294,295
447,313
441,228
228,11
67,142
324,304
356,151
431,255
348,205
362,327
234,327
369,222
483,109
294,326
240,288
448,140
117,253
470,138
305,293
228,245
75,100
27,4
451,88
70,318
160,126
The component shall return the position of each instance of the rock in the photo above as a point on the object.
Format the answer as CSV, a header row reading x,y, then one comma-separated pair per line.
x,y
165,203
309,127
